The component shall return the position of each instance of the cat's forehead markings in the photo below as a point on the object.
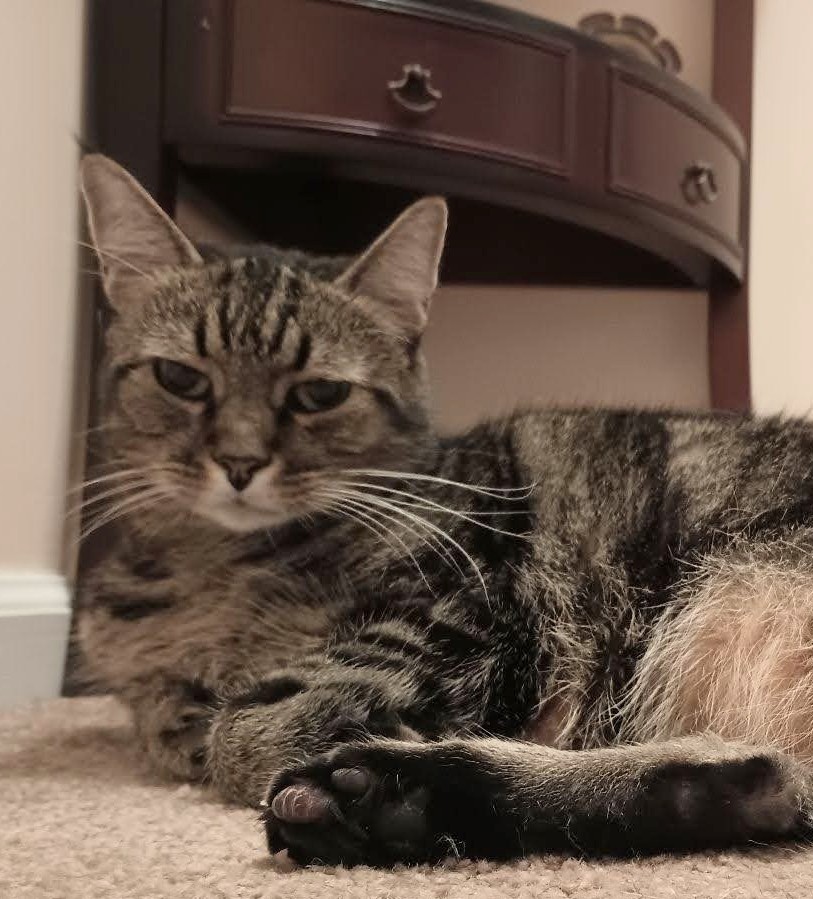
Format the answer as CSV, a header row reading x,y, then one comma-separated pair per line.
x,y
258,317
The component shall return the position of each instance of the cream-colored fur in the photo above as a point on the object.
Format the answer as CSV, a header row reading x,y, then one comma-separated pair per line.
x,y
735,656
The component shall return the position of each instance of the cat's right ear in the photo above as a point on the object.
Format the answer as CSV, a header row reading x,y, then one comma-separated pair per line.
x,y
132,235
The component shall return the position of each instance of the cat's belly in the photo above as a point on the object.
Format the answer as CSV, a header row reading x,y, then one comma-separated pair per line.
x,y
550,726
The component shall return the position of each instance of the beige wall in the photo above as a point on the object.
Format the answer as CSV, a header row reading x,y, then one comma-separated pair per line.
x,y
491,350
782,209
40,80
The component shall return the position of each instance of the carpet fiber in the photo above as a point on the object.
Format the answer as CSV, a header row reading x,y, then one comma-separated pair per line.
x,y
82,817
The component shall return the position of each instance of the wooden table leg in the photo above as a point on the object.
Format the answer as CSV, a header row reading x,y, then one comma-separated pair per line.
x,y
729,369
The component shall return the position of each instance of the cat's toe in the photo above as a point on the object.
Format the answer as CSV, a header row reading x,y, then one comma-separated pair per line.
x,y
352,781
301,803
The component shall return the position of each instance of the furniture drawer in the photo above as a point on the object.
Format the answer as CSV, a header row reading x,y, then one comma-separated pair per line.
x,y
330,64
670,158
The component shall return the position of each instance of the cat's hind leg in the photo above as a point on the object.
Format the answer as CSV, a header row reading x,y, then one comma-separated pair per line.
x,y
734,654
388,801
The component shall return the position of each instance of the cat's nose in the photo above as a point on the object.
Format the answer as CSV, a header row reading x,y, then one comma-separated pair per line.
x,y
240,469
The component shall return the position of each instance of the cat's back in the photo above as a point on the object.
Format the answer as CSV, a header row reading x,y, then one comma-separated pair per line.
x,y
703,470
551,439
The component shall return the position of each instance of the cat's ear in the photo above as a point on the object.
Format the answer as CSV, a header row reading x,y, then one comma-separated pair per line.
x,y
398,274
132,235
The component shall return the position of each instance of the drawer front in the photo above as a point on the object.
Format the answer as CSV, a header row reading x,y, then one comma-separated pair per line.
x,y
668,157
331,63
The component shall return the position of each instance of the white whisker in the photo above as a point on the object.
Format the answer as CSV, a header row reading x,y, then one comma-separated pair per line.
x,y
431,541
83,432
422,522
119,489
125,473
368,515
143,500
512,493
424,502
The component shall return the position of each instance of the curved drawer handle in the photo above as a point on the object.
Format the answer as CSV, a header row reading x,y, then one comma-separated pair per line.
x,y
699,184
413,91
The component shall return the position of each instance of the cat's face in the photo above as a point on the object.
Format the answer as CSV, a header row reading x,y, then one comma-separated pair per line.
x,y
244,391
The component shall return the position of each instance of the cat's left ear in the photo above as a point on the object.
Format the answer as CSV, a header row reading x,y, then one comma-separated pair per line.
x,y
133,236
396,277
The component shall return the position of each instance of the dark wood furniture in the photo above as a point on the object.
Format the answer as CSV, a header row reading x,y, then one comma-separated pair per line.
x,y
565,162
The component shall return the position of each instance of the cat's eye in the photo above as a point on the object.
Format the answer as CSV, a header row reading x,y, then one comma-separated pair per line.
x,y
182,380
317,396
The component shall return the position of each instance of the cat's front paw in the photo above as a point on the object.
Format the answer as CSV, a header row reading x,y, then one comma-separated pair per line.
x,y
175,729
369,803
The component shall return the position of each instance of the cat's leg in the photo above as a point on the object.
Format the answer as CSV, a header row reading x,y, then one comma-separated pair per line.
x,y
294,713
734,654
140,641
387,801
172,719
129,625
449,666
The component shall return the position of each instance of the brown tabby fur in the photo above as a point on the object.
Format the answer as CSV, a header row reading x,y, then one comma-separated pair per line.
x,y
359,639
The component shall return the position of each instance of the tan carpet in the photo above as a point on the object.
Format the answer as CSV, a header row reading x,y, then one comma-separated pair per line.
x,y
81,817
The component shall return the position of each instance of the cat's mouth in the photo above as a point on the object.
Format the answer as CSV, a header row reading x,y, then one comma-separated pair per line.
x,y
238,513
252,507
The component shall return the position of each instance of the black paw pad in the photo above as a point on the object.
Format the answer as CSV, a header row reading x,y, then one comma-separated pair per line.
x,y
403,822
715,803
353,781
338,809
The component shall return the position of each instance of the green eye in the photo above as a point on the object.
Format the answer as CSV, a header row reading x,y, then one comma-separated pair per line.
x,y
182,380
317,396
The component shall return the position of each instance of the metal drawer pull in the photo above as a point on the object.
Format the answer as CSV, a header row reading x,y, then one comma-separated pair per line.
x,y
414,91
699,184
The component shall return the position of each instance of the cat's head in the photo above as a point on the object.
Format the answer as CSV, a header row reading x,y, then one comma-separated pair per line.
x,y
245,391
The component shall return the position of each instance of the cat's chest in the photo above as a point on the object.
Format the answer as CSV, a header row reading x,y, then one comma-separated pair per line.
x,y
198,614
263,615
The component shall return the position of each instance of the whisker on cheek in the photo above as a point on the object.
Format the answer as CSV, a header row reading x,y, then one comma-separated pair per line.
x,y
140,503
98,498
415,501
421,522
124,474
514,493
360,513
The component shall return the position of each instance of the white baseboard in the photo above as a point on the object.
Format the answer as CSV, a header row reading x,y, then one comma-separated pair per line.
x,y
35,610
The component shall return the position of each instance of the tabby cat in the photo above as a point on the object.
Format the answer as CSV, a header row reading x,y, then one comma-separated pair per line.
x,y
580,630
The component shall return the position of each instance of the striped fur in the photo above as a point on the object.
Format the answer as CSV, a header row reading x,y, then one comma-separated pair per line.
x,y
384,602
